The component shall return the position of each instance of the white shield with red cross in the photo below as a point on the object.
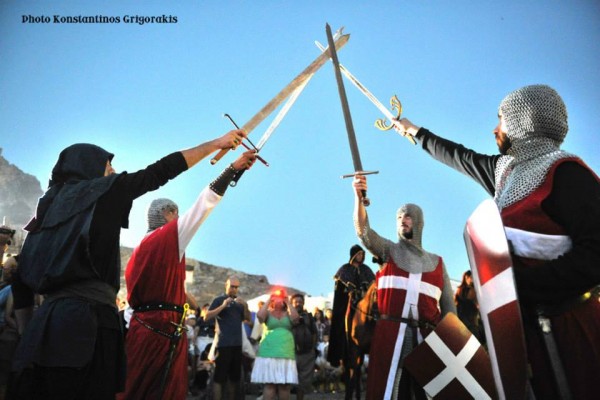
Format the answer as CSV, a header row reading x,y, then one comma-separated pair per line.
x,y
450,363
493,279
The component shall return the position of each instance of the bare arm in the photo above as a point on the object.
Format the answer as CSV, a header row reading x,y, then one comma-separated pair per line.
x,y
360,212
263,313
294,316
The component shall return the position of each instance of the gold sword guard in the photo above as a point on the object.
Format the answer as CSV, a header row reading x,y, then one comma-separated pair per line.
x,y
382,123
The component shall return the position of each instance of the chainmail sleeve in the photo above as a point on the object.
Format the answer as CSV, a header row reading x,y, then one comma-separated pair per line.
x,y
377,245
220,185
447,300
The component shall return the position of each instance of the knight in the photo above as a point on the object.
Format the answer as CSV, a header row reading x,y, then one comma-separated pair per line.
x,y
413,295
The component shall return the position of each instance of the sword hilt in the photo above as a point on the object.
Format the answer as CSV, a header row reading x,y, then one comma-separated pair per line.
x,y
383,125
219,155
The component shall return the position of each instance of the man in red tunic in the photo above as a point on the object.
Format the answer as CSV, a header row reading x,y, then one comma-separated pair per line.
x,y
549,201
413,294
155,277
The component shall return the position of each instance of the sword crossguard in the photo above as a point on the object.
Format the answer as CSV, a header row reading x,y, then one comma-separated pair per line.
x,y
382,123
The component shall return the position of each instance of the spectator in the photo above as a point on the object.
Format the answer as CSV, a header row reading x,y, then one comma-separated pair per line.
x,y
320,324
305,339
6,236
467,308
230,311
275,364
9,335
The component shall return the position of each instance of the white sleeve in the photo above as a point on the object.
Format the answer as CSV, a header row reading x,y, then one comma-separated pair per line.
x,y
188,223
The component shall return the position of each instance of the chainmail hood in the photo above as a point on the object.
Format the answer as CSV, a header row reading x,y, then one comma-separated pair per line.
x,y
535,111
536,121
418,221
155,212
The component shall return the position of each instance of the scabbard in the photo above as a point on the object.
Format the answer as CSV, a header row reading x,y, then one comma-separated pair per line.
x,y
558,370
170,354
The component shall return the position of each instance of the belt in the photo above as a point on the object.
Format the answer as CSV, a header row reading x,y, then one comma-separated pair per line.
x,y
158,307
413,323
554,310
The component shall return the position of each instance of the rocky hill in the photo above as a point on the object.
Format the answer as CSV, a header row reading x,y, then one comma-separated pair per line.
x,y
20,191
206,281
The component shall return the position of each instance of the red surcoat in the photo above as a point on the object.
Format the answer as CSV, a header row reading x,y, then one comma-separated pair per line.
x,y
576,330
399,293
155,274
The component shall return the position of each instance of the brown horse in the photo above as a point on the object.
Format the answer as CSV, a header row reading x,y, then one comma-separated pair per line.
x,y
364,319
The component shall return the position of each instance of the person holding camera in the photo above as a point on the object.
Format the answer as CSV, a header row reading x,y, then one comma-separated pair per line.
x,y
275,364
230,311
305,338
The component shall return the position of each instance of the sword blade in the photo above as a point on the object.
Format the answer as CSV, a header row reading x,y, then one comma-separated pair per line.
x,y
344,101
274,124
282,113
285,92
363,89
346,110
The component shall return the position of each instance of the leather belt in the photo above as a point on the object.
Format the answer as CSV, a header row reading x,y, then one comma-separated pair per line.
x,y
554,310
413,323
159,307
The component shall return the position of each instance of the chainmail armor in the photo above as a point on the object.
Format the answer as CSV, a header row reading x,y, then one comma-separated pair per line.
x,y
155,213
536,121
407,255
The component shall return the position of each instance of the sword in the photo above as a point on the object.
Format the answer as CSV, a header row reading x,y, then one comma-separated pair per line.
x,y
285,92
274,124
381,124
358,169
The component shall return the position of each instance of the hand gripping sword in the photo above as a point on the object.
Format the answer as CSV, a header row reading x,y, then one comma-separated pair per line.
x,y
358,169
381,124
285,92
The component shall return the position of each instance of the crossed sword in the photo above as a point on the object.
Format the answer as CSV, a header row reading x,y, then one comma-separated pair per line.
x,y
292,91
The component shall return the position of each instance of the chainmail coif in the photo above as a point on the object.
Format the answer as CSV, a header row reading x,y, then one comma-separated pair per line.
x,y
155,212
536,121
416,214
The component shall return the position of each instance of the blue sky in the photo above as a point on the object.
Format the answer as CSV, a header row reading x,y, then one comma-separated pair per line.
x,y
142,91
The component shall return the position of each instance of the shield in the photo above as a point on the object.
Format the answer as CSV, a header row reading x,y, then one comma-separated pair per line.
x,y
450,363
493,279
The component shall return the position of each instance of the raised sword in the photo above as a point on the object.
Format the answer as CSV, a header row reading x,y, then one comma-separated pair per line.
x,y
381,124
358,169
306,74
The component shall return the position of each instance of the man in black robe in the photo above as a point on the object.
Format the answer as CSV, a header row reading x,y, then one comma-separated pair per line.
x,y
74,342
351,283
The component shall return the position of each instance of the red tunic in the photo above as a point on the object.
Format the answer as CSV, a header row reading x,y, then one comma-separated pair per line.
x,y
155,274
576,331
399,292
